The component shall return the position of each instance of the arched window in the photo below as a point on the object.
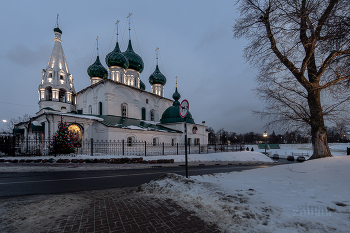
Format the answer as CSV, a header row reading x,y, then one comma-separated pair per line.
x,y
48,93
50,75
124,110
155,141
143,111
75,135
90,109
152,115
129,141
62,95
100,108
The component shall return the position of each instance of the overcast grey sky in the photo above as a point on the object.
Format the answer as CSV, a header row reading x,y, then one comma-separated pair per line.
x,y
195,40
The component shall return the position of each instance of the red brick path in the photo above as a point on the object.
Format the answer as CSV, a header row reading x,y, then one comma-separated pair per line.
x,y
132,214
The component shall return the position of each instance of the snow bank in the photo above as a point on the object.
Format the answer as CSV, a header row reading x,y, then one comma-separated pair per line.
x,y
312,196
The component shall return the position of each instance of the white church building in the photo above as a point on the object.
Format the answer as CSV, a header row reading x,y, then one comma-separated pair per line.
x,y
115,106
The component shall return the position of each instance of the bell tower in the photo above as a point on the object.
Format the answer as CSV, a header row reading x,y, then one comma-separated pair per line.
x,y
56,89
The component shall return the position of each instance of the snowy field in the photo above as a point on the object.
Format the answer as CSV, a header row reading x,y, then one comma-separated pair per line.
x,y
290,149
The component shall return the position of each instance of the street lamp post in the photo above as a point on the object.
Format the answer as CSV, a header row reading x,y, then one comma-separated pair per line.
x,y
265,136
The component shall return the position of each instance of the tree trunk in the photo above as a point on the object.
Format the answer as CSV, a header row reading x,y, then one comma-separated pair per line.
x,y
318,130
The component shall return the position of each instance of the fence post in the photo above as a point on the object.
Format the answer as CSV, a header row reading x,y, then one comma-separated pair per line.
x,y
92,147
189,148
13,146
145,148
199,148
177,148
221,147
163,148
123,146
207,148
215,147
27,144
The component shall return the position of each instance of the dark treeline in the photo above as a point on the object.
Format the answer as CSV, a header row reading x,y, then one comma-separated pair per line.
x,y
224,137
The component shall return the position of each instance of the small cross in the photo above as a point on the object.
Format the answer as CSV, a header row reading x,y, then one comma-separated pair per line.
x,y
176,81
97,45
129,23
117,28
57,20
157,54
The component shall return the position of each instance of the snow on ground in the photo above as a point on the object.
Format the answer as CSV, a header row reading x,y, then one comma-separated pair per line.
x,y
313,196
244,156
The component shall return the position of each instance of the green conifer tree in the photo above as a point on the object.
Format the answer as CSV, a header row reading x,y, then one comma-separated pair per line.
x,y
61,143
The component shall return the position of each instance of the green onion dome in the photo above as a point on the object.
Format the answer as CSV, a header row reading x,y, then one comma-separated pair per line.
x,y
135,61
57,30
172,114
157,77
176,95
116,58
97,70
142,85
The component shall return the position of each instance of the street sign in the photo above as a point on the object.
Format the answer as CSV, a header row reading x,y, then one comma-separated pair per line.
x,y
184,107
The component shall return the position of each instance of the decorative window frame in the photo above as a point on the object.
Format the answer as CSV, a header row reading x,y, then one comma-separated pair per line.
x,y
143,113
152,113
100,108
124,110
48,93
155,141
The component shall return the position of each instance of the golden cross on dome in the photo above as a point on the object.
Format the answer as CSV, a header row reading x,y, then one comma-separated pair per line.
x,y
129,16
97,45
117,28
176,81
57,19
157,54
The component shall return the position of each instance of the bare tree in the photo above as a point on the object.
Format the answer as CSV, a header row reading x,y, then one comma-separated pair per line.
x,y
302,49
11,123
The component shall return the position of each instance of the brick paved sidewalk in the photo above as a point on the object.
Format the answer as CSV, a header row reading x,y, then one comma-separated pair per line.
x,y
131,214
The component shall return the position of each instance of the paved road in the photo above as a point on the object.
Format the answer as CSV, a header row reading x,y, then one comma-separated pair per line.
x,y
29,183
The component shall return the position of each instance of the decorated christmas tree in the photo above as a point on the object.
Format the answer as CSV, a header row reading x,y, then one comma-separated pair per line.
x,y
61,143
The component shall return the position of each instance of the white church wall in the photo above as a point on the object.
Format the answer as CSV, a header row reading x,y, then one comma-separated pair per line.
x,y
99,96
201,133
140,135
126,95
113,95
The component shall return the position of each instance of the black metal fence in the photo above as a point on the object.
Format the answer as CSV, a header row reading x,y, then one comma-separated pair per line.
x,y
20,146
